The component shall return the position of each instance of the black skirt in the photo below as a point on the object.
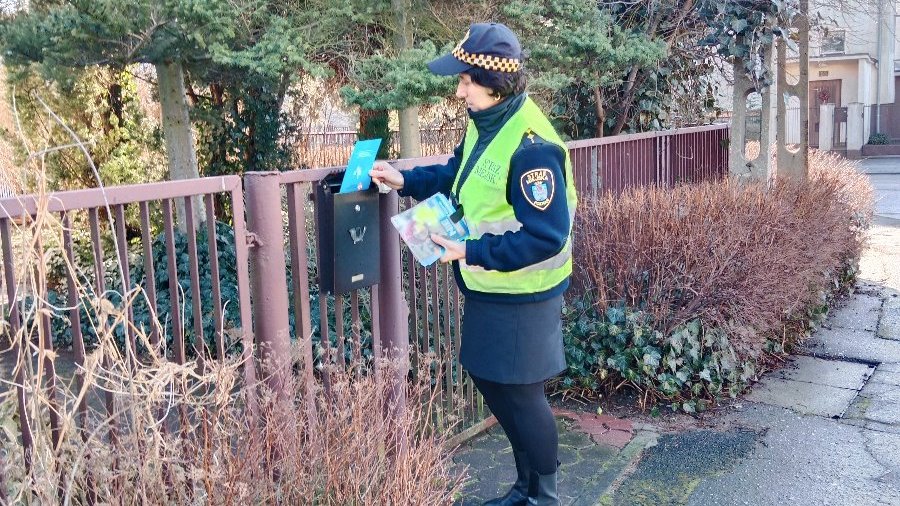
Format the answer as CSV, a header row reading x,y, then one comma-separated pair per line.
x,y
513,343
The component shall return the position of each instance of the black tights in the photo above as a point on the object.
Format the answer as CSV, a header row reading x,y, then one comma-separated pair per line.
x,y
525,415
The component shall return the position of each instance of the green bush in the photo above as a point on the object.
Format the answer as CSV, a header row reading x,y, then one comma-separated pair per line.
x,y
143,319
879,139
687,367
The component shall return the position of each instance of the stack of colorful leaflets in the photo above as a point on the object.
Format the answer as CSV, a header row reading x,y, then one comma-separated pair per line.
x,y
434,215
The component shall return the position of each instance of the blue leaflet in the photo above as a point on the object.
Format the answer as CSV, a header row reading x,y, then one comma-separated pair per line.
x,y
356,178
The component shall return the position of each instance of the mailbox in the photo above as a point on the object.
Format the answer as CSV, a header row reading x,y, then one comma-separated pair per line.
x,y
349,239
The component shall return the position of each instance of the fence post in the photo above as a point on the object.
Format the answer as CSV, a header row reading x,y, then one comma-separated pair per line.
x,y
666,167
268,283
657,160
867,122
855,129
393,318
826,127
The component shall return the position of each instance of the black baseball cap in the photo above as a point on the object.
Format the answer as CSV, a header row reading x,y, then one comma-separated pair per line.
x,y
491,46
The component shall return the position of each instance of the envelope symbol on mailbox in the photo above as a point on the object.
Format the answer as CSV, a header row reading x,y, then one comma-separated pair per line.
x,y
357,234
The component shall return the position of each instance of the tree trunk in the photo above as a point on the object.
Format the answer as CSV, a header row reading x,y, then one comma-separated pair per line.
x,y
114,106
625,105
601,112
179,137
374,124
410,141
632,83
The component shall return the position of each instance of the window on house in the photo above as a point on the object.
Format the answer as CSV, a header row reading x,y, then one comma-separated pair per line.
x,y
833,42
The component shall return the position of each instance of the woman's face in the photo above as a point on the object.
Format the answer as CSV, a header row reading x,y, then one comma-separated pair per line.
x,y
477,97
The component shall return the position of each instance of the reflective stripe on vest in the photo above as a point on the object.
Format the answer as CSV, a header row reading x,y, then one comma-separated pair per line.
x,y
483,196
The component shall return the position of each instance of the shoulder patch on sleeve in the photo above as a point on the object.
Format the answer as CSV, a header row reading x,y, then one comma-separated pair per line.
x,y
538,187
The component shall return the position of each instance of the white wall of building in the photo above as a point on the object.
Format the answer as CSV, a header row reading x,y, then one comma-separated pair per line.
x,y
896,39
867,77
724,91
863,23
858,19
856,86
887,56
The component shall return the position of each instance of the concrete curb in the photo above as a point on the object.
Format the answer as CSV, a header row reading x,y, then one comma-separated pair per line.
x,y
602,488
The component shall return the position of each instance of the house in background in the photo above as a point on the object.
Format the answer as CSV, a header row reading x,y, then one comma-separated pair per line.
x,y
852,70
851,66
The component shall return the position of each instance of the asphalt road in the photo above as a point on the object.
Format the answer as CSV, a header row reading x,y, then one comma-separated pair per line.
x,y
884,173
881,261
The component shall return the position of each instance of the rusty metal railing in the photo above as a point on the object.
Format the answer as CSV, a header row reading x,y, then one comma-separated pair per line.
x,y
103,213
285,234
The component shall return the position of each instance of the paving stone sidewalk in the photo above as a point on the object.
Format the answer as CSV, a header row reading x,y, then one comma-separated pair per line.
x,y
593,453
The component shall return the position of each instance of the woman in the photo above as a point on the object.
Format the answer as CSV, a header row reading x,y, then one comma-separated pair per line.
x,y
512,177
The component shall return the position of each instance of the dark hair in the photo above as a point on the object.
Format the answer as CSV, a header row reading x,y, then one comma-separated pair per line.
x,y
502,84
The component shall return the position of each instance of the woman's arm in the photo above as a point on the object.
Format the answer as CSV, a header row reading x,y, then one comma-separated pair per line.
x,y
420,182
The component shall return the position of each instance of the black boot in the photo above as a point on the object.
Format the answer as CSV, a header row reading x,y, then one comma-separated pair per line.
x,y
518,494
543,490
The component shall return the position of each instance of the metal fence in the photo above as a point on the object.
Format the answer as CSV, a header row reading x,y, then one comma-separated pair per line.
x,y
665,158
103,213
281,214
327,149
884,119
838,128
413,312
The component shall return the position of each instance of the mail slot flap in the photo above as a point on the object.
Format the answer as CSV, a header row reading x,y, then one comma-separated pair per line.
x,y
349,238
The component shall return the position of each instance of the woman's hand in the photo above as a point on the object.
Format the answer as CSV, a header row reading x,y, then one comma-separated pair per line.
x,y
383,172
453,250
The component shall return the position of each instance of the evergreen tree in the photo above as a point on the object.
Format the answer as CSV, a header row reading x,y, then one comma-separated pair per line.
x,y
575,45
104,110
246,54
389,72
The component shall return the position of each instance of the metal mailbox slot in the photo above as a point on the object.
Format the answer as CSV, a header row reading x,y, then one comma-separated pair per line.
x,y
349,238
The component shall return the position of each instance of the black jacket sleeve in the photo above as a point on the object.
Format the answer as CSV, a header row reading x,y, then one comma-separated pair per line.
x,y
423,182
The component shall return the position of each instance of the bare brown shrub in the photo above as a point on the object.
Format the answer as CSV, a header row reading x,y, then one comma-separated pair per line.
x,y
743,258
184,437
188,434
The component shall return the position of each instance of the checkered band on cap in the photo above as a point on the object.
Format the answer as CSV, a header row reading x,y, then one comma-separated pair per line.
x,y
486,61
